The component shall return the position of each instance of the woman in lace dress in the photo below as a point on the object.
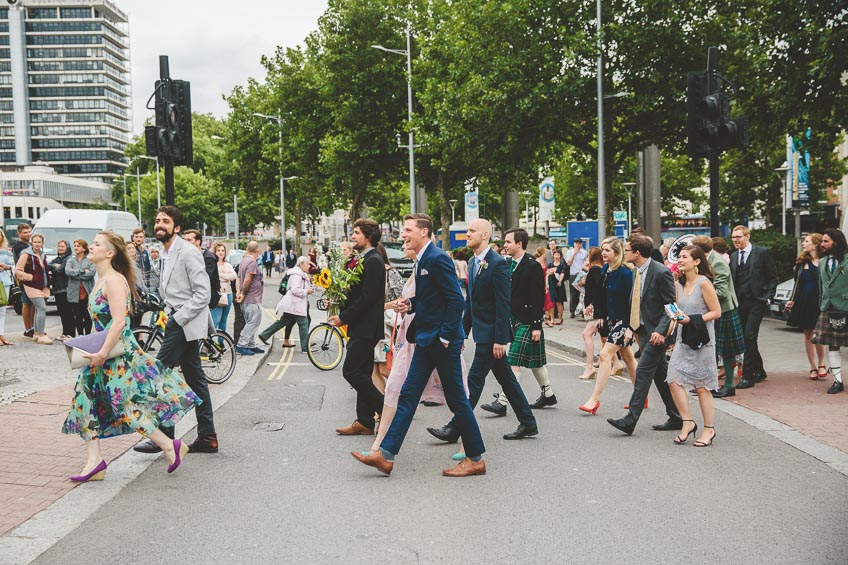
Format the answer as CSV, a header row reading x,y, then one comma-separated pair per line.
x,y
693,362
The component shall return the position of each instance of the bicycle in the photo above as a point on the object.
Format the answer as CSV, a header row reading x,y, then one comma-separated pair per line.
x,y
325,346
217,352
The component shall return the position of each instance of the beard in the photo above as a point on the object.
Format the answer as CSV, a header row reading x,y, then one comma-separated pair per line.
x,y
359,247
164,238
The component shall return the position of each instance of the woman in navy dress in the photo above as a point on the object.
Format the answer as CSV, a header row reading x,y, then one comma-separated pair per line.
x,y
804,305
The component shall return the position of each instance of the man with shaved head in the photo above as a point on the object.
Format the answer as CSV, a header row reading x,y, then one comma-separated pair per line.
x,y
487,314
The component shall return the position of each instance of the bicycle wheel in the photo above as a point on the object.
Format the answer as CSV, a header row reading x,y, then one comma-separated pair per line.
x,y
148,338
325,347
218,357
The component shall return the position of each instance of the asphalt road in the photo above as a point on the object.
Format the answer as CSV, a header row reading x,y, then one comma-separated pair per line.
x,y
578,492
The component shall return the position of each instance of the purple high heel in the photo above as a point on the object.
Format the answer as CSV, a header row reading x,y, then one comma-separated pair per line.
x,y
96,474
180,449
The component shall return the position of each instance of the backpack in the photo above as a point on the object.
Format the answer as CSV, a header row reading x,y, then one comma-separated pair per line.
x,y
284,285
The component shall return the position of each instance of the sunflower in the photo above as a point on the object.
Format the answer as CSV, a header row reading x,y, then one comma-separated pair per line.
x,y
323,279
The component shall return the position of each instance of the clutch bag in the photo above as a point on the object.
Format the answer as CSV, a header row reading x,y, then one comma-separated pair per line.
x,y
89,344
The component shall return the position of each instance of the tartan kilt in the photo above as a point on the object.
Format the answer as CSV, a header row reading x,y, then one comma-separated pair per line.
x,y
730,336
824,333
523,351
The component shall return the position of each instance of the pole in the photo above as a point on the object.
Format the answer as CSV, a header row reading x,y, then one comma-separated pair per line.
x,y
124,178
138,192
629,212
602,202
282,185
413,197
235,211
783,203
158,190
712,87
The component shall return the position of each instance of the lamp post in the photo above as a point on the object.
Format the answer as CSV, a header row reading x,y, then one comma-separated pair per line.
x,y
453,207
526,195
629,187
279,120
413,197
158,190
782,169
137,176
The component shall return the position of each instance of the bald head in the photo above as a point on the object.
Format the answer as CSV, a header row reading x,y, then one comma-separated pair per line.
x,y
478,234
252,248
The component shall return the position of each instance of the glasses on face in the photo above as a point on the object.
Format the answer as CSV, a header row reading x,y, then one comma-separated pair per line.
x,y
737,237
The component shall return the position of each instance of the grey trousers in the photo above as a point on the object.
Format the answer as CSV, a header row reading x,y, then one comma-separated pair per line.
x,y
252,317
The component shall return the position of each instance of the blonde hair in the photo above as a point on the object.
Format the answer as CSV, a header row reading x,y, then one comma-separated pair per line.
x,y
2,239
743,229
121,260
617,248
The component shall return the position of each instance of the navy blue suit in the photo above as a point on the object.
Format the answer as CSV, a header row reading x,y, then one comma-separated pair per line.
x,y
438,310
487,317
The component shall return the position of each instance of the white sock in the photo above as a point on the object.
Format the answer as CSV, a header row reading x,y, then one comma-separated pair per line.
x,y
834,358
541,374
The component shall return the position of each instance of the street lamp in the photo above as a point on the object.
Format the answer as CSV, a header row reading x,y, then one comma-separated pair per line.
x,y
158,190
279,120
137,176
453,207
628,186
413,197
782,169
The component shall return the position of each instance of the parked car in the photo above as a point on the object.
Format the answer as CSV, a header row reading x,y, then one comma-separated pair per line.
x,y
777,308
398,260
234,257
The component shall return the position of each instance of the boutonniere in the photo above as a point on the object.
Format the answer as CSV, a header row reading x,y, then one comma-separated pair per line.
x,y
483,266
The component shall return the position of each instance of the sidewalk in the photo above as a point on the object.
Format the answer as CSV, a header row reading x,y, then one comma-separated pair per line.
x,y
787,396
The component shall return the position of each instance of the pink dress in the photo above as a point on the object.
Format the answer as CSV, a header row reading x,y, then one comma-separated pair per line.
x,y
433,392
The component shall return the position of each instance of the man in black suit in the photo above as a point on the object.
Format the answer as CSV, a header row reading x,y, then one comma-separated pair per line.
x,y
755,279
363,314
650,324
210,260
487,313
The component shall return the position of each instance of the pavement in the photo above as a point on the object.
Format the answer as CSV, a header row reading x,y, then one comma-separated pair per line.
x,y
271,496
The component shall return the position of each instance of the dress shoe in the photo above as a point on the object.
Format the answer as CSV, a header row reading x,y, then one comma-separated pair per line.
x,y
244,351
147,446
837,386
375,459
445,433
622,425
745,383
95,474
724,392
466,468
495,408
355,429
541,402
430,403
205,443
668,425
522,431
257,350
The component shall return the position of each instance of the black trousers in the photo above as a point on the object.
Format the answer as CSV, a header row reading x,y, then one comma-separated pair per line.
x,y
357,369
238,321
82,319
752,312
175,351
66,313
575,295
653,366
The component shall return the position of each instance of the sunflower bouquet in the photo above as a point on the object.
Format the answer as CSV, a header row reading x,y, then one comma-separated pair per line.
x,y
337,278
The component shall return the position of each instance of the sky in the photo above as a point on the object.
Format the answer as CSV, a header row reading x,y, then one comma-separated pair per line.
x,y
216,45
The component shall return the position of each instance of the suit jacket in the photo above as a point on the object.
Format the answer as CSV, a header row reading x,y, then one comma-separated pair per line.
x,y
210,261
659,291
185,288
363,307
723,282
487,302
763,272
528,293
833,287
438,299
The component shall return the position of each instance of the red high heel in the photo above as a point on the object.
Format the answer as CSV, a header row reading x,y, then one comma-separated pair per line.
x,y
821,373
593,410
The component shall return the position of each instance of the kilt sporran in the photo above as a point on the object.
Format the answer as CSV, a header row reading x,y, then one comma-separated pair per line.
x,y
831,329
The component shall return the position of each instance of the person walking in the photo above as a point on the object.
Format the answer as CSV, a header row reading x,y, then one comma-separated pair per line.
x,y
290,260
832,326
648,320
7,266
267,261
151,394
249,295
487,313
34,273
27,308
594,295
576,259
693,361
185,290
557,280
549,307
60,288
755,280
292,307
362,312
226,275
80,271
439,339
803,305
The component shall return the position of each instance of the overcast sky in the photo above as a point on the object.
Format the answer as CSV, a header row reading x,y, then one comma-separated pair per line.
x,y
216,45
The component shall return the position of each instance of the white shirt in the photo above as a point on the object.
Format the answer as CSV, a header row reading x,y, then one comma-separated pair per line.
x,y
747,251
165,258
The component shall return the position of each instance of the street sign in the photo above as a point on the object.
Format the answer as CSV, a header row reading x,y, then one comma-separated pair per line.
x,y
230,222
619,216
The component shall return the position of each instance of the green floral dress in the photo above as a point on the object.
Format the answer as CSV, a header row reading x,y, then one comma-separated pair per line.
x,y
130,393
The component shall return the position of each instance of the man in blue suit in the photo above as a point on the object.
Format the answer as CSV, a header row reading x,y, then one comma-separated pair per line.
x,y
487,307
438,336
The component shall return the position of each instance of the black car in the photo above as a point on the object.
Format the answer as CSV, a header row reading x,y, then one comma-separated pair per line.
x,y
398,260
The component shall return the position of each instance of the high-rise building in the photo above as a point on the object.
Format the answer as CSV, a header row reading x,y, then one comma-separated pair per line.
x,y
65,86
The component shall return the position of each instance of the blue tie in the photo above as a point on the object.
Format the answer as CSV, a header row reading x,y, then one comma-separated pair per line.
x,y
472,271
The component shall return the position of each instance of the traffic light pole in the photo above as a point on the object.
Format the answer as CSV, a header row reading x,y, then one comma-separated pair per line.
x,y
712,87
167,162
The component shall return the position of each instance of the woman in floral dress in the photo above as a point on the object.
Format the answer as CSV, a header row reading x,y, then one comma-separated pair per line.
x,y
132,392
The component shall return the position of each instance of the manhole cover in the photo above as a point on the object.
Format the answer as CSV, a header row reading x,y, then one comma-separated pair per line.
x,y
268,427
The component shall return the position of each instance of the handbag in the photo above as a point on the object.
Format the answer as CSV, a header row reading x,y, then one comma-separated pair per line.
x,y
4,298
89,344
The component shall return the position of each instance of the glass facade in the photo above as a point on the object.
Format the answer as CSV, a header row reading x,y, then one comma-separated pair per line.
x,y
78,82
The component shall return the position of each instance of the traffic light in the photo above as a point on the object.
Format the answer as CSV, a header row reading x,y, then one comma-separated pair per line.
x,y
180,119
709,127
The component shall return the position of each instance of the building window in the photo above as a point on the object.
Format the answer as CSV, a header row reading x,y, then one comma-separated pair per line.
x,y
42,14
76,13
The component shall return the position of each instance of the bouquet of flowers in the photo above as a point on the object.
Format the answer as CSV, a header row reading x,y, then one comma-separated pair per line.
x,y
340,274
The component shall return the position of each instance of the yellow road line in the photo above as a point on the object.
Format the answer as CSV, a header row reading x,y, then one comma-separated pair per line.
x,y
285,359
285,367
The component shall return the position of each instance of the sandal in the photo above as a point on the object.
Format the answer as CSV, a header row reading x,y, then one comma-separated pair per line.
x,y
4,342
822,372
700,443
681,440
814,375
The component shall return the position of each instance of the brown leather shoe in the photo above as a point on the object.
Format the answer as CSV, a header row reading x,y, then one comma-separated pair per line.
x,y
205,443
355,429
375,459
466,468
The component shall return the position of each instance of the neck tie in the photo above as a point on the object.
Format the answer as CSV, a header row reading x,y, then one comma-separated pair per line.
x,y
636,301
513,264
472,271
833,263
741,257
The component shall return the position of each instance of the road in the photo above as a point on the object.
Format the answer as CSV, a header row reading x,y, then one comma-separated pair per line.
x,y
579,491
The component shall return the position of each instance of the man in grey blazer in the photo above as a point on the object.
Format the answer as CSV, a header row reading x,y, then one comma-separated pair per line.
x,y
185,289
657,286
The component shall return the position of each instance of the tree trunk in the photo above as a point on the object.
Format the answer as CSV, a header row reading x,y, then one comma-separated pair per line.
x,y
356,204
444,210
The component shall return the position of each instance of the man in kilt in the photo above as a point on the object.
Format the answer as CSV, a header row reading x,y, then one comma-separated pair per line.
x,y
832,327
729,335
526,316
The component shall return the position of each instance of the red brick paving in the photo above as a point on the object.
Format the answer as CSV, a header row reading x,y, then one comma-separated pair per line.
x,y
36,458
792,398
